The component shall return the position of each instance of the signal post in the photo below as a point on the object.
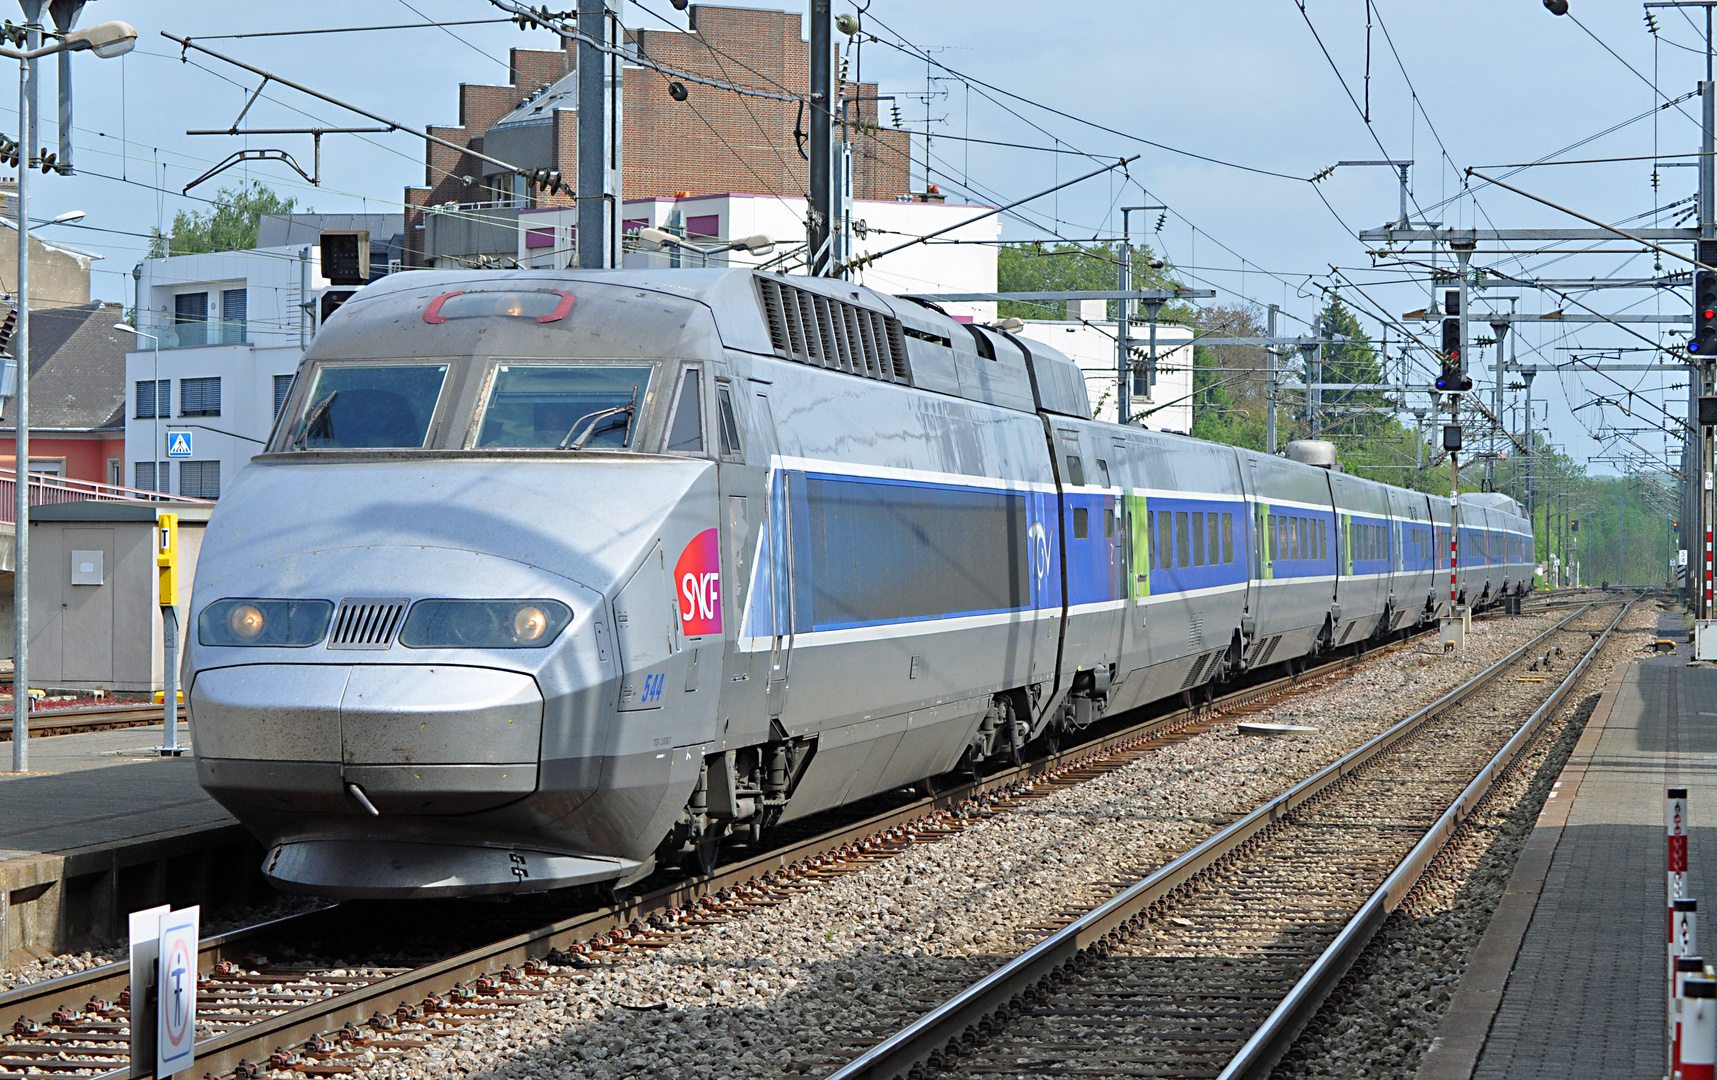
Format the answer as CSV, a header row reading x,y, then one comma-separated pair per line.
x,y
1702,350
1454,381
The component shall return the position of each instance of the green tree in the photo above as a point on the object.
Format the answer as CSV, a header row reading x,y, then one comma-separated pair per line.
x,y
229,224
1034,267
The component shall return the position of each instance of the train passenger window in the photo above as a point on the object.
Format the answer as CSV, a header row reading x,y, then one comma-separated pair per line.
x,y
1197,539
1275,534
1294,538
1214,524
1323,539
1103,471
730,447
368,406
1108,523
685,431
1182,542
1227,538
1075,471
1081,523
1151,538
551,405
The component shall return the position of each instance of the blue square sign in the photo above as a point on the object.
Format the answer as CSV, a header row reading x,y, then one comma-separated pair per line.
x,y
178,444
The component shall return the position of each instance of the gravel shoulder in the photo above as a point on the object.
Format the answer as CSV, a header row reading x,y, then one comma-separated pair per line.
x,y
798,988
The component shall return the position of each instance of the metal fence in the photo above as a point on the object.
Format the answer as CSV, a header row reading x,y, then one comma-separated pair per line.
x,y
46,490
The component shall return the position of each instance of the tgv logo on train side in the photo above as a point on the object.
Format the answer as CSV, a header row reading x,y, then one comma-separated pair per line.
x,y
697,583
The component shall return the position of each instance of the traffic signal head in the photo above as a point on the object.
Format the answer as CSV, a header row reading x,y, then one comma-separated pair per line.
x,y
1703,343
1453,379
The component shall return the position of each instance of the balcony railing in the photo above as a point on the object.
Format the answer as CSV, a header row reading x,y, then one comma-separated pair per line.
x,y
46,490
190,335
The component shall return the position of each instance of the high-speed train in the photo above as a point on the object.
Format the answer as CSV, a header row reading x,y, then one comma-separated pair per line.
x,y
545,576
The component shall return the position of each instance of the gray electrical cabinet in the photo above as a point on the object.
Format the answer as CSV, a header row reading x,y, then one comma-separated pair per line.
x,y
95,623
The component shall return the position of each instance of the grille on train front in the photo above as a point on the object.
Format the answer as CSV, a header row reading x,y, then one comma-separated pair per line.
x,y
367,623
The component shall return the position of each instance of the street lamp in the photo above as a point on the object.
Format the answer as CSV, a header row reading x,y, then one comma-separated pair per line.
x,y
657,239
154,390
106,40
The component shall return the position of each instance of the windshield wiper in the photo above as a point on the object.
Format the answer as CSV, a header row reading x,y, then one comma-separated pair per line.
x,y
596,419
316,418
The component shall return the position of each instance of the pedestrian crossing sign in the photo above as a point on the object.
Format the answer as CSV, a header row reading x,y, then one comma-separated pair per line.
x,y
178,444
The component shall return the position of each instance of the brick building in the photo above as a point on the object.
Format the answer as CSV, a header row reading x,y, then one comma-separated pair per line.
x,y
715,141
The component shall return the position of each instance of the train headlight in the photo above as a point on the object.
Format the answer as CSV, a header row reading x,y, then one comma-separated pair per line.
x,y
484,624
529,623
245,621
291,624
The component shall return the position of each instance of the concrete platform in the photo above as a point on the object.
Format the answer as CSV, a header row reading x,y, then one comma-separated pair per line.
x,y
102,826
1569,978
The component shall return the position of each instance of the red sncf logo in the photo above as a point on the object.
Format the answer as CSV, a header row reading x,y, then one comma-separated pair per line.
x,y
697,583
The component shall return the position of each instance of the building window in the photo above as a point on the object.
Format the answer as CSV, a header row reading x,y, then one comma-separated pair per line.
x,y
200,397
233,304
147,472
191,318
199,479
154,398
116,471
282,387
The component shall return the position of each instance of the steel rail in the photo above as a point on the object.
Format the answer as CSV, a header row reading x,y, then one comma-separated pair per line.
x,y
253,1042
1057,955
62,721
1267,1045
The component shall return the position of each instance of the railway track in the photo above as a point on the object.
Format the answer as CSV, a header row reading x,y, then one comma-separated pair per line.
x,y
260,996
98,718
1212,964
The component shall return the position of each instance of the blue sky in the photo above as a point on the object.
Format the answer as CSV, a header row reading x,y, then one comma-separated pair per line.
x,y
1241,81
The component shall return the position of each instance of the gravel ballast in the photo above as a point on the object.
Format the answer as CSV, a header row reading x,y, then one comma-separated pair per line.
x,y
1382,1017
799,987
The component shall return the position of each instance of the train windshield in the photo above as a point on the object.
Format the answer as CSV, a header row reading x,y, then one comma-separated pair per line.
x,y
564,405
368,406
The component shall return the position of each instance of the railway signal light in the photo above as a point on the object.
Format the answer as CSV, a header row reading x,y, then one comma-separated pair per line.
x,y
1704,340
1453,379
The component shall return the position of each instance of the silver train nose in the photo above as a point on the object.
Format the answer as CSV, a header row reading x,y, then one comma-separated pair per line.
x,y
416,739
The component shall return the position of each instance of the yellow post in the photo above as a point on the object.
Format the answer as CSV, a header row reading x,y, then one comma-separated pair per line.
x,y
167,557
167,567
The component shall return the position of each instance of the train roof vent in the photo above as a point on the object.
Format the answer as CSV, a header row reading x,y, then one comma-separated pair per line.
x,y
822,331
367,623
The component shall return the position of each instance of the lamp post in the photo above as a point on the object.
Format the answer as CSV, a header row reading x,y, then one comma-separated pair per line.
x,y
167,530
154,397
106,40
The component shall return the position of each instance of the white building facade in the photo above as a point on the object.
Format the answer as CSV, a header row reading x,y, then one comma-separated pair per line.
x,y
962,260
1089,340
219,340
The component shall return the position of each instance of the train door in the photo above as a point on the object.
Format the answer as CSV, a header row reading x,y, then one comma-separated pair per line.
x,y
779,578
742,478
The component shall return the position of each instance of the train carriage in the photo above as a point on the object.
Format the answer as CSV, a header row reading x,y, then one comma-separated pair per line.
x,y
546,577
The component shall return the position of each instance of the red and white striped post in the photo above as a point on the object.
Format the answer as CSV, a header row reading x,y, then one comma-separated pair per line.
x,y
1710,608
1698,1028
1675,830
1686,967
1684,940
1454,546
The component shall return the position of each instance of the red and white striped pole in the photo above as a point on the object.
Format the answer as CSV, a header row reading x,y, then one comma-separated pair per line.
x,y
1686,967
1698,1028
1675,830
1454,545
1710,609
1683,938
